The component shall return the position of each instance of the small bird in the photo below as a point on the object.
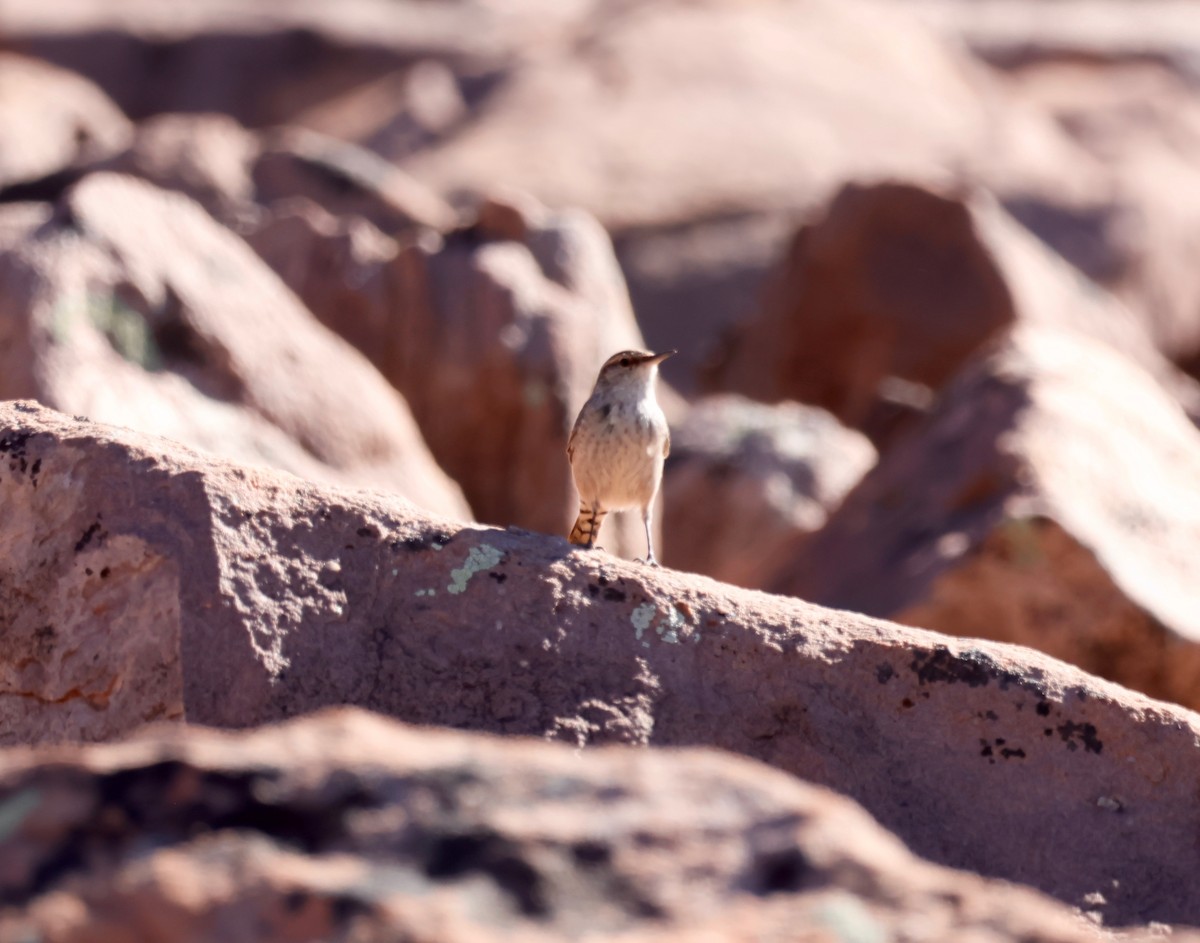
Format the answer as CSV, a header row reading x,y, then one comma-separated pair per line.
x,y
618,445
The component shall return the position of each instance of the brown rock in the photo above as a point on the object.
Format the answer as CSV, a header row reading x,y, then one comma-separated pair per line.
x,y
208,157
347,826
344,179
1048,500
133,306
51,119
745,481
888,295
494,334
286,597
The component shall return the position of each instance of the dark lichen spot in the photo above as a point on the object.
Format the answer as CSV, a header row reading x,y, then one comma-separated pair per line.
x,y
591,854
939,665
104,573
614,595
1000,741
1047,732
501,577
87,537
87,570
991,715
34,470
907,702
367,532
781,871
986,748
1043,709
1072,733
885,672
1009,753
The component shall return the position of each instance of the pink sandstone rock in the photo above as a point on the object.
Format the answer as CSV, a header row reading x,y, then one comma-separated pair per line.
x,y
133,306
52,120
1048,500
347,826
746,481
161,582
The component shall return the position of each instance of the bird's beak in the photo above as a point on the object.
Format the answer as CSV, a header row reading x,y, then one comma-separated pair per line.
x,y
659,358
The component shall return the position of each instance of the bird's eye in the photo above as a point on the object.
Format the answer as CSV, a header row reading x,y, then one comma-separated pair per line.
x,y
624,361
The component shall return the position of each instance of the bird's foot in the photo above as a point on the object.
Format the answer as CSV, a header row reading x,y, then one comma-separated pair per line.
x,y
649,561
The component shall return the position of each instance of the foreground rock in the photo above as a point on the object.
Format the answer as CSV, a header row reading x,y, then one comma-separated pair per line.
x,y
132,306
494,333
142,580
1050,500
346,826
881,301
745,482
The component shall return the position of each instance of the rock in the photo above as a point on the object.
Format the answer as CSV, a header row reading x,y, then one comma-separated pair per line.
x,y
245,596
890,293
347,826
745,482
52,120
345,179
1047,500
208,157
133,306
494,334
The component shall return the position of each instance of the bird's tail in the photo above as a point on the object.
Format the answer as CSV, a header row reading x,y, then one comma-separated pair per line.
x,y
587,527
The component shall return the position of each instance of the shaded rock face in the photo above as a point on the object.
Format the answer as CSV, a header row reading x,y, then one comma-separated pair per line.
x,y
1048,500
293,596
879,303
347,826
52,120
131,305
745,482
493,333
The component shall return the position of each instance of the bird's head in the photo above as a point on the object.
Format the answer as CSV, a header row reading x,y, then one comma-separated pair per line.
x,y
631,368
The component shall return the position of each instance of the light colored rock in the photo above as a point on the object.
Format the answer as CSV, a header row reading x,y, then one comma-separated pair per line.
x,y
134,307
1048,500
350,827
745,482
52,119
291,596
888,294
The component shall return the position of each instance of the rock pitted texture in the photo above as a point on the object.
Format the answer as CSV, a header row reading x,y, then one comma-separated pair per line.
x,y
51,120
745,482
349,827
1049,500
133,306
239,596
897,286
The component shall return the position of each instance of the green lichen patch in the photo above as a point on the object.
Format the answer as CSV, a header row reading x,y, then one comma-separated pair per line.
x,y
481,558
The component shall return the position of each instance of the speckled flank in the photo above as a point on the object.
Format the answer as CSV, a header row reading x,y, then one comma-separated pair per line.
x,y
480,558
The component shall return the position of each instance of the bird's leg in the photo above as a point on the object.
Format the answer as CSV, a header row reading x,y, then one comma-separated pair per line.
x,y
649,540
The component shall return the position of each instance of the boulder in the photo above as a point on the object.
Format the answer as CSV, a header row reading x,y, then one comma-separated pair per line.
x,y
344,179
160,582
132,306
1048,500
494,333
882,300
350,827
52,120
745,482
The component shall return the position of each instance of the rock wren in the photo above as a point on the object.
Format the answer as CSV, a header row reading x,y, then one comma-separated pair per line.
x,y
618,445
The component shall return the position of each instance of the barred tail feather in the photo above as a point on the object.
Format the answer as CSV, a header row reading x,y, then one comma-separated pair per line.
x,y
587,527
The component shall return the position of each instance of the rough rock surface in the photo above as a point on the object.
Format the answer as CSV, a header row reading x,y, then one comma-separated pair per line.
x,y
132,306
891,292
745,482
1049,500
345,179
51,119
160,582
350,827
494,334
